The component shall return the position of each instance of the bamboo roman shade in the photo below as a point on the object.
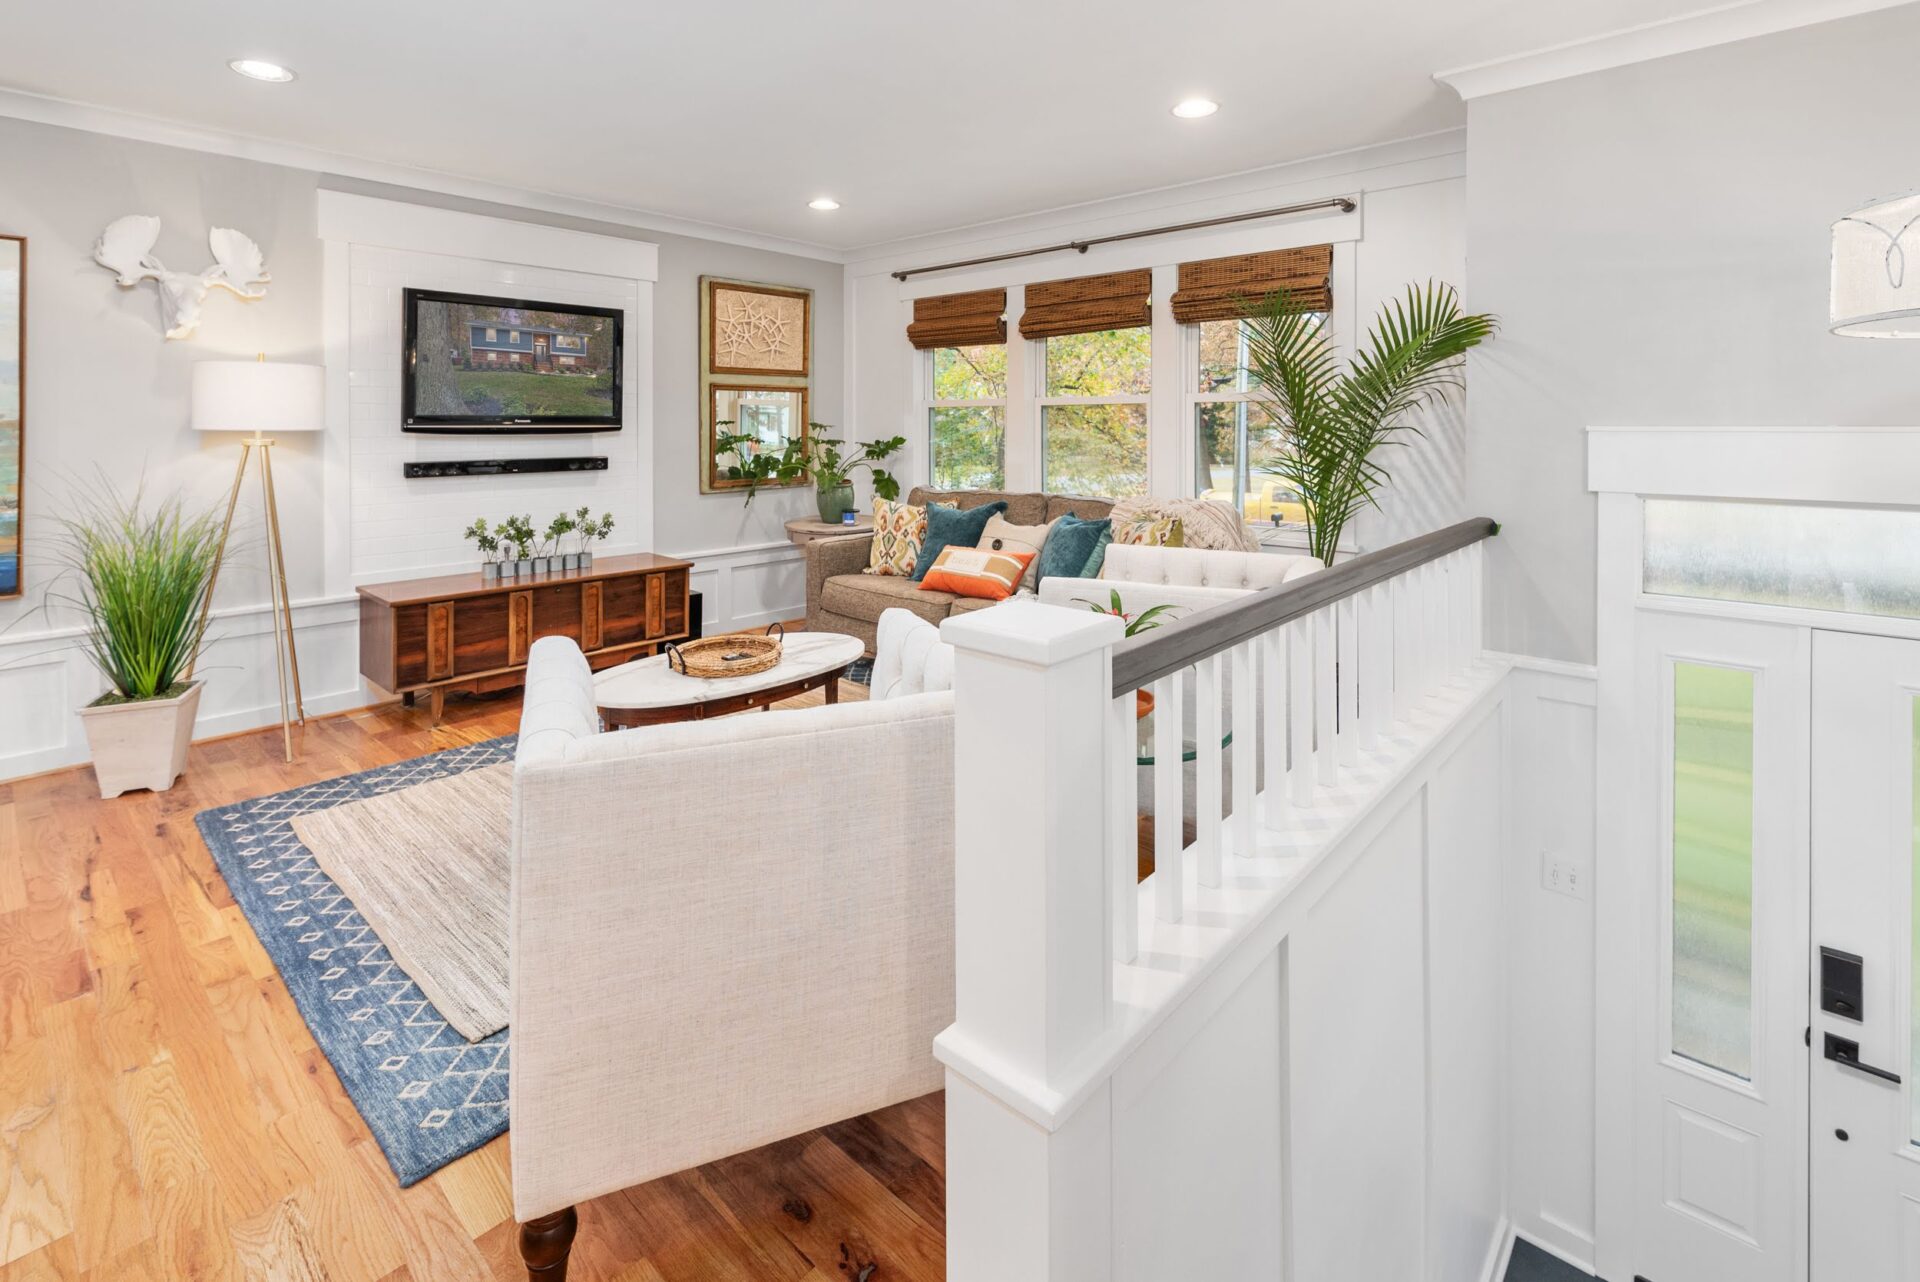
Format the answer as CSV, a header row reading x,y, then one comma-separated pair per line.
x,y
1232,288
959,320
1088,303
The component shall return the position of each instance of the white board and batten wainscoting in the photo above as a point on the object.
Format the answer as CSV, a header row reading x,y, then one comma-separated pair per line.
x,y
1757,736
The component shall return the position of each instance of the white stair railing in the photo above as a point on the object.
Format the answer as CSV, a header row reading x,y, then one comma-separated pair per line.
x,y
1292,690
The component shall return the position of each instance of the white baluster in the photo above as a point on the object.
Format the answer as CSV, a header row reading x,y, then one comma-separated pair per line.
x,y
1206,760
1406,632
1347,675
1245,744
1300,710
1376,663
1326,754
1169,777
1477,569
1273,716
1123,824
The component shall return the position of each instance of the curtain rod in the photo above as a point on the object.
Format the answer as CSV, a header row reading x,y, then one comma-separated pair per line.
x,y
1341,203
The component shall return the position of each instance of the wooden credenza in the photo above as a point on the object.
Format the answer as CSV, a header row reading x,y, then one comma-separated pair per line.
x,y
463,632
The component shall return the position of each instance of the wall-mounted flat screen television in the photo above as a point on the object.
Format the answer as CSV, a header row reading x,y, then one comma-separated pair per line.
x,y
478,364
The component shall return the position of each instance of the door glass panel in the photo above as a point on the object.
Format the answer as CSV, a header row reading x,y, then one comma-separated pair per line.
x,y
1850,559
1913,918
1713,866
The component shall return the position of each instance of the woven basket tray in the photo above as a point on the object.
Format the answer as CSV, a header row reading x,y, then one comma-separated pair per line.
x,y
734,654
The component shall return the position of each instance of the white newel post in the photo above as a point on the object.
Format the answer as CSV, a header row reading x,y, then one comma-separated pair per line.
x,y
1027,1190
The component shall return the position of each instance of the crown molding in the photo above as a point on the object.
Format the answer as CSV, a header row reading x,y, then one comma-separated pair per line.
x,y
39,109
1702,30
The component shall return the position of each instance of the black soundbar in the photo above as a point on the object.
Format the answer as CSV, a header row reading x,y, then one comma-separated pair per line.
x,y
505,466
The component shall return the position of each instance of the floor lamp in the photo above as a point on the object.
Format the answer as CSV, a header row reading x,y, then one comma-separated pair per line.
x,y
260,398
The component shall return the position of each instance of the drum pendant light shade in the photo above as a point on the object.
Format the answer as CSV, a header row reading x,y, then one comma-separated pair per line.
x,y
1876,270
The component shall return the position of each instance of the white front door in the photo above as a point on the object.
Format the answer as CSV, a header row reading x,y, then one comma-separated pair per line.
x,y
1720,1088
1865,1196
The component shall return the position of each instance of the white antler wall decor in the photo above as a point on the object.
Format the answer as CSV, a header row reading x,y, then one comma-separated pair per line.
x,y
126,249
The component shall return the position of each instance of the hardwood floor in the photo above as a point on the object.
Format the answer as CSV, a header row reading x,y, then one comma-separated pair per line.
x,y
164,1113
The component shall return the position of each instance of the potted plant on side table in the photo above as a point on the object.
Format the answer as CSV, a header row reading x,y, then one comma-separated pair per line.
x,y
143,583
829,461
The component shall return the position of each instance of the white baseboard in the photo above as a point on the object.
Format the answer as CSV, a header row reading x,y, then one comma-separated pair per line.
x,y
1581,1258
1495,1269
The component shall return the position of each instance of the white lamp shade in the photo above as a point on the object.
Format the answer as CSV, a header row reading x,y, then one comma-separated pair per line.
x,y
1876,270
269,397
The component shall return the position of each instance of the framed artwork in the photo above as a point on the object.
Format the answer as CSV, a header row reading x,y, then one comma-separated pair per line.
x,y
774,414
761,330
756,364
13,404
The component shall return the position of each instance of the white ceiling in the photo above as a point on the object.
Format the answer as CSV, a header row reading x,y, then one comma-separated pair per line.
x,y
917,117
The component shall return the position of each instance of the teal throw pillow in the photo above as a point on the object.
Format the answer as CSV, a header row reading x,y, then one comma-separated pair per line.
x,y
1091,570
1071,543
950,525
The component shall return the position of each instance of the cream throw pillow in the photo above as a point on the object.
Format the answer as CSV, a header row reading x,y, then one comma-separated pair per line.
x,y
1002,535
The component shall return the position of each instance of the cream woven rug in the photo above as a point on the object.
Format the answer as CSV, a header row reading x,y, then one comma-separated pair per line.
x,y
428,868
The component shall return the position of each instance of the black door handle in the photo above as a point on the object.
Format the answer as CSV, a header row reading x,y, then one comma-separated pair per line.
x,y
1842,1050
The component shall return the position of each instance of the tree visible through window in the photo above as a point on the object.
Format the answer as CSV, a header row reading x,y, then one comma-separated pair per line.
x,y
1093,416
1235,439
967,417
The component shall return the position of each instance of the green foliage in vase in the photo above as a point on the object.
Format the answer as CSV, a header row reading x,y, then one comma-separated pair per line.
x,y
829,461
143,579
1334,418
483,537
516,532
1145,621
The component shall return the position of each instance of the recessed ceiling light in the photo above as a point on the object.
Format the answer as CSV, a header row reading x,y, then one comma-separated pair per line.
x,y
823,203
1195,108
258,69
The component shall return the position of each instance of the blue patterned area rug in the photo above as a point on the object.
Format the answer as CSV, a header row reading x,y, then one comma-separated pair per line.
x,y
427,1093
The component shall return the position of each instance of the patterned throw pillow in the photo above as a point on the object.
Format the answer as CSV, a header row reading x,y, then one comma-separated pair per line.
x,y
1165,532
976,572
898,532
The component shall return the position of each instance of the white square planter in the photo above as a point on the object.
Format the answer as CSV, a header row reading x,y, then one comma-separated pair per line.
x,y
141,745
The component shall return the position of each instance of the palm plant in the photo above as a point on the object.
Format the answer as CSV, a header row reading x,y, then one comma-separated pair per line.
x,y
1333,419
143,580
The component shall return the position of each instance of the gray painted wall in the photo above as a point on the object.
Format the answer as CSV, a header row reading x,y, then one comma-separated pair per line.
x,y
1654,239
104,390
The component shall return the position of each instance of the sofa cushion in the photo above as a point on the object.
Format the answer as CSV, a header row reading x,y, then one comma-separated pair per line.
x,y
951,526
1021,509
977,572
1002,535
968,604
1069,546
898,531
1059,505
868,596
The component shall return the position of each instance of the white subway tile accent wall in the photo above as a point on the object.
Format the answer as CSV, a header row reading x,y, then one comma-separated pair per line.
x,y
402,527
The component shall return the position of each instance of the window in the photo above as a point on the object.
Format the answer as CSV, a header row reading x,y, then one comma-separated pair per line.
x,y
967,416
1712,886
493,335
1093,414
513,336
1235,439
1851,559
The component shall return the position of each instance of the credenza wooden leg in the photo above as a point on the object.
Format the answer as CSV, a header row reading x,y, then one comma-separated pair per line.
x,y
436,703
545,1244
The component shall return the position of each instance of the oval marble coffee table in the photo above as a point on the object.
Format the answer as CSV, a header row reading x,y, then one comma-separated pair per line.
x,y
645,693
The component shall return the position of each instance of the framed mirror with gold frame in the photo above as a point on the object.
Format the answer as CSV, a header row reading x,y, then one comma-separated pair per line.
x,y
776,415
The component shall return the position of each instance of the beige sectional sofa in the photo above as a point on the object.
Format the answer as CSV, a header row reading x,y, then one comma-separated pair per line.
x,y
841,598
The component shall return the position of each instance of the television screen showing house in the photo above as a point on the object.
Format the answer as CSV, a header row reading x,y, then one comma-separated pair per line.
x,y
490,361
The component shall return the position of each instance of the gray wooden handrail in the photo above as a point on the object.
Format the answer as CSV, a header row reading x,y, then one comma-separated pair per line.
x,y
1143,659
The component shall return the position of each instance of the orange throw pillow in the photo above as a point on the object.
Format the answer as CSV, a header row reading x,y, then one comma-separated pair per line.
x,y
976,572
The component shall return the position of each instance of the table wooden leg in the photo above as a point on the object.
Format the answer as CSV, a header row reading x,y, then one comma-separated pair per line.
x,y
833,688
436,703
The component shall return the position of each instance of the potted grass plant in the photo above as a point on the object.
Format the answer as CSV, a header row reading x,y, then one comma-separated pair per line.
x,y
487,540
589,532
516,536
142,584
